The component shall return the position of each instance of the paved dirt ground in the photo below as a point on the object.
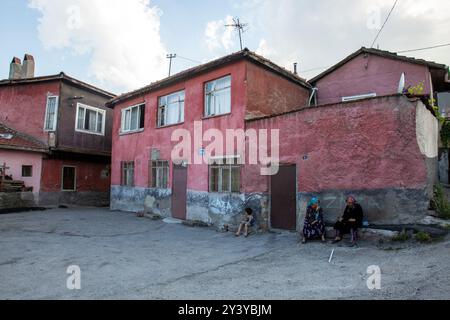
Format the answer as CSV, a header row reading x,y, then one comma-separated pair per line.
x,y
122,256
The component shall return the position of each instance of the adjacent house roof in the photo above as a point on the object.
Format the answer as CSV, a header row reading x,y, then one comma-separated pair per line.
x,y
189,73
15,140
61,76
381,53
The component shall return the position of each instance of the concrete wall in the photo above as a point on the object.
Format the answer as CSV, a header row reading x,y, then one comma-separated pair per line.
x,y
370,74
18,200
16,159
22,107
380,149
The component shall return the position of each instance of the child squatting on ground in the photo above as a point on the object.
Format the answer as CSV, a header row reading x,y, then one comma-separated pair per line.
x,y
247,221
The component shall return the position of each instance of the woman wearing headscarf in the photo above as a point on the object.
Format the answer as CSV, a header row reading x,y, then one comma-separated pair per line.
x,y
314,225
350,221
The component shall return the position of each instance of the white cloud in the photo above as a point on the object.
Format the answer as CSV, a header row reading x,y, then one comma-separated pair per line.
x,y
265,50
322,32
220,39
122,38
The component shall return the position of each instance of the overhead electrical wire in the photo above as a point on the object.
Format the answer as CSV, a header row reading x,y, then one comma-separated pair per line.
x,y
384,24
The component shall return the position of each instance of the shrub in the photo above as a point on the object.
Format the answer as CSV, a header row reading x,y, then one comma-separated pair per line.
x,y
401,237
423,237
441,204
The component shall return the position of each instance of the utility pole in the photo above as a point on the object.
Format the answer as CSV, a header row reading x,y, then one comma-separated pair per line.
x,y
170,57
239,27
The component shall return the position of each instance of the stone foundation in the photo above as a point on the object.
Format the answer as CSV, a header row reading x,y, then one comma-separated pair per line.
x,y
94,199
386,206
16,200
211,208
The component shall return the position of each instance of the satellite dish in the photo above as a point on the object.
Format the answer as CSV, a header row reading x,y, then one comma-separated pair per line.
x,y
401,84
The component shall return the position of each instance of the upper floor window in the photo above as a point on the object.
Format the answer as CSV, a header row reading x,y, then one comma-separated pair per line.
x,y
171,109
51,113
133,118
90,119
218,97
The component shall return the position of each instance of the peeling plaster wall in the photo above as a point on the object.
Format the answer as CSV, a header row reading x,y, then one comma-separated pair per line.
x,y
368,148
268,93
22,107
210,208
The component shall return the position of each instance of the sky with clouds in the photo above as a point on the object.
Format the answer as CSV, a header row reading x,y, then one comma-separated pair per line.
x,y
122,45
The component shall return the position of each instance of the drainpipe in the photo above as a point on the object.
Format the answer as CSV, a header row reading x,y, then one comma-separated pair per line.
x,y
313,96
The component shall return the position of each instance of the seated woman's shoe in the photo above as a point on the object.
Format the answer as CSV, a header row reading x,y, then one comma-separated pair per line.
x,y
337,240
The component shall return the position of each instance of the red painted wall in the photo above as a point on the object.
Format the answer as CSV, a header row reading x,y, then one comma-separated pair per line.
x,y
370,74
22,107
269,93
88,175
254,91
137,146
361,145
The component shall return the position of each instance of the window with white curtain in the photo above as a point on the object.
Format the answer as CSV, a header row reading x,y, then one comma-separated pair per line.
x,y
90,119
51,113
171,109
218,97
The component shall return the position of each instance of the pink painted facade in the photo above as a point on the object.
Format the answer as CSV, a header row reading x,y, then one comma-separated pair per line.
x,y
345,149
22,107
15,159
368,73
137,146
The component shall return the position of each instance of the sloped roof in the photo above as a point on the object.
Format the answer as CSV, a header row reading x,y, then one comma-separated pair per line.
x,y
15,140
381,53
59,76
189,73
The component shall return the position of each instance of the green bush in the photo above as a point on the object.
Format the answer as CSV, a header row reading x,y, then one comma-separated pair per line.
x,y
440,202
401,237
423,237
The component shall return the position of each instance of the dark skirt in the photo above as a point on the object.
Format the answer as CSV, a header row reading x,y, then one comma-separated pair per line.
x,y
311,231
344,227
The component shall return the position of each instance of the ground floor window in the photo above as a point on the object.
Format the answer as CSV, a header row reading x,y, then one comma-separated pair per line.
x,y
27,171
224,177
69,178
127,173
159,174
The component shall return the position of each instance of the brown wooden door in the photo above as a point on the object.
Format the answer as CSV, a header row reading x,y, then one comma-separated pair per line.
x,y
179,192
283,198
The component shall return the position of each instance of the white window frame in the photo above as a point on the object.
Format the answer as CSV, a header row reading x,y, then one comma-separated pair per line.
x,y
122,119
359,97
221,163
166,109
97,110
214,114
62,179
159,169
55,117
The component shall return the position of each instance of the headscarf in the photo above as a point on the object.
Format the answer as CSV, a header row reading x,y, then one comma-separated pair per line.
x,y
314,201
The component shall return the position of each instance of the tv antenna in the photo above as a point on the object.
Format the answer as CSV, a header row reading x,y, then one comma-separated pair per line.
x,y
170,57
239,26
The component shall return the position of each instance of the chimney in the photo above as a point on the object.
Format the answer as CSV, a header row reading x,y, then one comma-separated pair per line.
x,y
28,67
295,68
15,69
